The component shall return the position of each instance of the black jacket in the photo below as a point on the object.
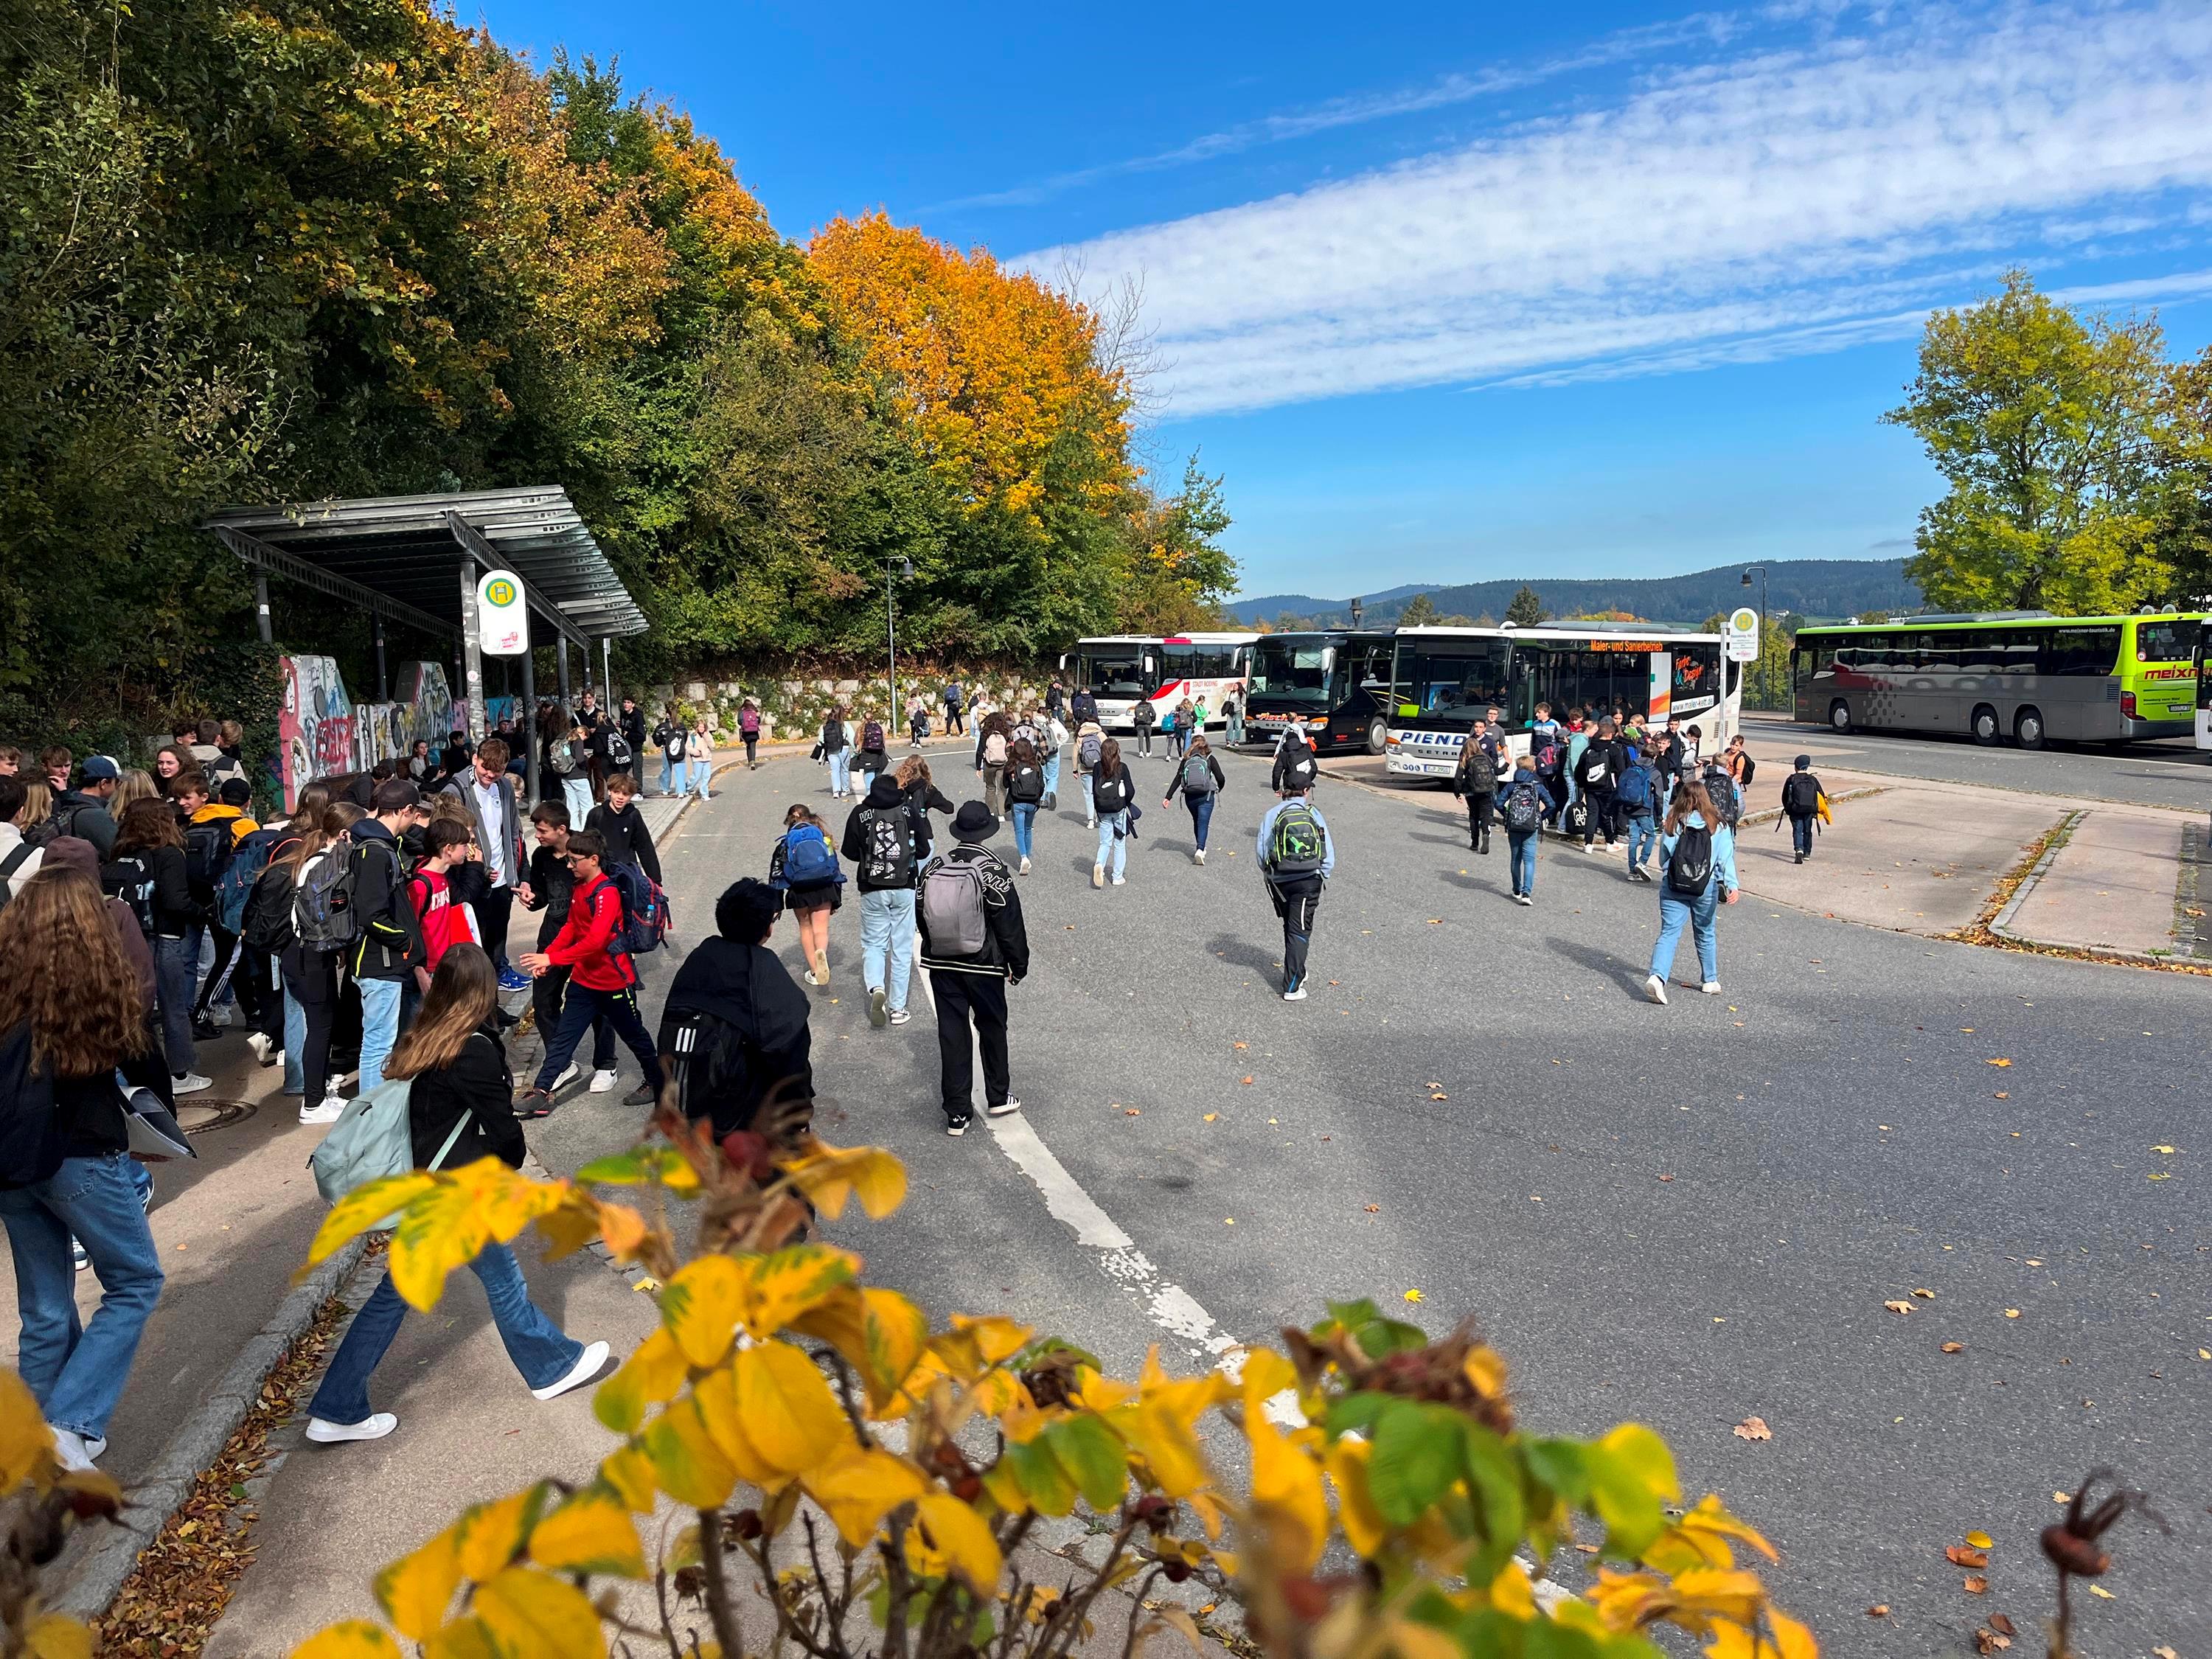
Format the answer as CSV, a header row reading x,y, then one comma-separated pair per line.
x,y
478,1086
390,942
88,818
632,730
552,886
1599,752
1287,758
1006,951
628,842
884,796
175,910
751,993
1213,763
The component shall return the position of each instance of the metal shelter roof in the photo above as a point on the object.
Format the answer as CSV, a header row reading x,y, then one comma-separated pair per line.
x,y
400,556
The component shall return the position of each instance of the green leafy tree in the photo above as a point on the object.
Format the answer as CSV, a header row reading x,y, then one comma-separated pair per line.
x,y
2045,426
1420,611
2183,516
1525,610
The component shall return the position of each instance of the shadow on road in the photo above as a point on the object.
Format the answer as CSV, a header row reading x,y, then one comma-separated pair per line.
x,y
1242,953
1626,972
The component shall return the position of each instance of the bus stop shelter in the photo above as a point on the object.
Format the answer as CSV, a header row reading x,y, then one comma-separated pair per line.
x,y
415,559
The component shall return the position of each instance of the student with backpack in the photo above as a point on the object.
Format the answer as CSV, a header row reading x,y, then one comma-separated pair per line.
x,y
1804,803
733,1032
322,921
569,758
802,867
1090,743
549,885
870,761
922,797
148,873
602,981
1597,772
618,821
699,746
973,946
1026,791
880,841
83,811
668,737
1697,860
835,743
1297,768
1547,748
1721,790
1052,737
993,739
266,928
459,1109
1113,796
917,720
1144,717
1297,854
1201,779
1082,707
1526,804
953,703
387,936
1637,798
1475,779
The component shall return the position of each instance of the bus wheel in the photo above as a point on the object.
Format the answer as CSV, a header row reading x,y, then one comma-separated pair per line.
x,y
1988,730
1378,735
2028,726
1839,715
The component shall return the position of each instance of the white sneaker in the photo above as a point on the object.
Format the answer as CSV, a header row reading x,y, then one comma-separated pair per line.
x,y
70,1450
573,1071
219,1015
330,1111
586,1368
375,1426
1097,875
188,1083
1656,989
1712,988
899,1016
1090,823
1522,898
1004,1108
878,1014
1295,993
1119,880
264,1050
603,1082
1199,857
808,975
1025,867
94,1445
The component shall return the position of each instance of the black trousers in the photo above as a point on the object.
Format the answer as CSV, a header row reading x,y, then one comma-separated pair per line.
x,y
546,996
1296,901
581,1009
1479,812
1601,806
227,955
961,997
497,909
952,721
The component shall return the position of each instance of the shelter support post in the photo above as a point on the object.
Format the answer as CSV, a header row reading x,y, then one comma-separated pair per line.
x,y
526,725
561,660
607,674
383,680
471,654
261,606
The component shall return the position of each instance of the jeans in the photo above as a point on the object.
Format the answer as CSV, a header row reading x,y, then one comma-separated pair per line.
x,y
841,770
1024,816
671,772
701,767
1113,840
1201,814
1089,801
959,996
1698,913
887,930
582,1008
1642,839
1522,851
296,1034
547,993
1233,733
379,1029
1296,903
538,1348
76,1372
1052,777
1801,834
176,962
576,795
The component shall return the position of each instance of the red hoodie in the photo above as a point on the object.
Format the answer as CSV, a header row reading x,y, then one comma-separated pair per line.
x,y
580,946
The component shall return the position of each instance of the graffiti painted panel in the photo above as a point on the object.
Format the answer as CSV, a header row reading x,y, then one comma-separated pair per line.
x,y
315,730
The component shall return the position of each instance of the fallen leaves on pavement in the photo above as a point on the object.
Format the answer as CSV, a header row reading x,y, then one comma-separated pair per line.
x,y
1954,1348
1998,1062
1753,1428
1975,1584
1899,1307
1961,1555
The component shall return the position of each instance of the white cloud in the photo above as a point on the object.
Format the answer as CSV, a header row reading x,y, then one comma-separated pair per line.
x,y
1784,203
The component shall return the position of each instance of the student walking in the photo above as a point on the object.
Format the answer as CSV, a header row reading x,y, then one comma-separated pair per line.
x,y
1525,806
880,841
388,936
974,946
1026,793
1475,781
1201,779
922,797
1637,799
1696,859
1051,740
1113,794
802,867
1090,743
1143,717
1296,768
551,887
1297,854
602,981
1597,771
71,1013
459,1109
917,719
487,793
870,760
749,731
837,754
700,748
309,963
618,822
147,870
1804,803
668,737
953,703
733,1033
993,736
569,758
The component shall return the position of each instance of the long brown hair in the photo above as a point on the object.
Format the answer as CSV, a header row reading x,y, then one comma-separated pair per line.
x,y
62,972
1109,758
1022,752
1690,796
461,994
148,823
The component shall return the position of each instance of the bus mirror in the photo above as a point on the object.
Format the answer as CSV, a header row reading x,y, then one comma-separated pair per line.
x,y
1327,659
1148,663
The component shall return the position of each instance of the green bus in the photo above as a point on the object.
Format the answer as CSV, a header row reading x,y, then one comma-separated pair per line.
x,y
2023,674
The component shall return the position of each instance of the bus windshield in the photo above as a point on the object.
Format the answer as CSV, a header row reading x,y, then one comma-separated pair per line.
x,y
1116,672
1294,672
2166,641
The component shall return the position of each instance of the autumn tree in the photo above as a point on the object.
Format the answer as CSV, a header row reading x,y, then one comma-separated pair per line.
x,y
1420,611
1525,610
2181,515
2044,426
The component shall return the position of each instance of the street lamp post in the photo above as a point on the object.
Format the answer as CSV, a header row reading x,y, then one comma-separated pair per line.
x,y
1762,611
904,567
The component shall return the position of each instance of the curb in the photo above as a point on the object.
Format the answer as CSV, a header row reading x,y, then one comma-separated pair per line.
x,y
92,1585
2000,923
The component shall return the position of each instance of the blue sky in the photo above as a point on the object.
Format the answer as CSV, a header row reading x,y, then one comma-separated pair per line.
x,y
1457,293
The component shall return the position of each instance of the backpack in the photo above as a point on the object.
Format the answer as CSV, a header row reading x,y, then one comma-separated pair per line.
x,y
618,753
807,856
565,760
13,862
1301,772
31,1143
1111,794
1548,757
1690,871
1478,769
247,861
1296,844
995,750
833,737
1801,793
1635,791
131,878
1197,776
1720,788
1596,768
749,722
887,855
373,1140
645,913
675,745
1087,751
208,854
1025,784
952,909
62,821
265,924
871,736
322,901
1575,820
708,1059
1524,809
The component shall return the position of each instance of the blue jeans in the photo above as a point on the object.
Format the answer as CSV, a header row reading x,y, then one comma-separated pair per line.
x,y
1024,813
1642,840
1052,777
538,1348
1800,837
576,796
1201,814
841,770
887,932
176,968
1090,802
296,1034
672,773
1522,849
1113,841
702,770
379,1029
76,1372
1675,912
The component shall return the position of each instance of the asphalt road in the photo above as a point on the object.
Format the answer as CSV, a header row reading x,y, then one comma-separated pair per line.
x,y
1685,1215
2171,772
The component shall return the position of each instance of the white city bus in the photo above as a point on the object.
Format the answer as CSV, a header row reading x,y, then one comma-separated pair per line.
x,y
1121,669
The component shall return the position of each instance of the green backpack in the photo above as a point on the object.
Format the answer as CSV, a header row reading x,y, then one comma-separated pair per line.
x,y
1298,843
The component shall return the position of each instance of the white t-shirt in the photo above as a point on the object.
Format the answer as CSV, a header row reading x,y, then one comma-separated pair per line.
x,y
491,813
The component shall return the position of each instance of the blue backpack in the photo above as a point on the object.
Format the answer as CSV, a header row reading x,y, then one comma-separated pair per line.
x,y
645,913
235,886
1635,789
807,857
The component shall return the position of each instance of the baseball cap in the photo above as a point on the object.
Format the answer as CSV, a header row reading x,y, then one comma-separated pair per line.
x,y
98,767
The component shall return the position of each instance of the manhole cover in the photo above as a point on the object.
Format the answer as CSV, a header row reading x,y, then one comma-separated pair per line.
x,y
199,1117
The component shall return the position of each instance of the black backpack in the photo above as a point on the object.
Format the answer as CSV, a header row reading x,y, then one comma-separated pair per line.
x,y
887,847
833,737
1690,871
871,737
710,1063
207,848
1720,788
618,753
1594,769
1025,784
1524,809
1111,793
131,878
62,821
267,924
1478,770
1299,773
1801,794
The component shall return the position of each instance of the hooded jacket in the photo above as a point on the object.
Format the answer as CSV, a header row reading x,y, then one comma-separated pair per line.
x,y
391,943
1006,952
751,993
885,796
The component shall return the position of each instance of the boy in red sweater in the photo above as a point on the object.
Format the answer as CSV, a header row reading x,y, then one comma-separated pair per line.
x,y
602,982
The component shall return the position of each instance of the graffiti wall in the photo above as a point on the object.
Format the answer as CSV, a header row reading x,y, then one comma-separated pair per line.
x,y
316,730
387,730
